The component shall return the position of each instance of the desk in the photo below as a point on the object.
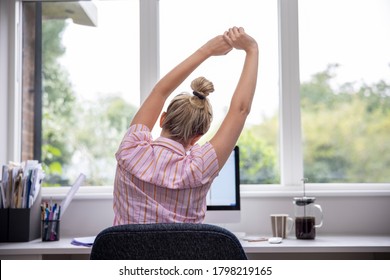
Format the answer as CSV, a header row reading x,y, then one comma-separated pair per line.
x,y
323,247
36,249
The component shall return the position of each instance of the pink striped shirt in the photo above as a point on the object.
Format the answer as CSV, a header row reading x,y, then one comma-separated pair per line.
x,y
159,182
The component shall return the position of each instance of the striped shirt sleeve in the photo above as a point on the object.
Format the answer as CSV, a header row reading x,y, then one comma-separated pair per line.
x,y
137,136
205,163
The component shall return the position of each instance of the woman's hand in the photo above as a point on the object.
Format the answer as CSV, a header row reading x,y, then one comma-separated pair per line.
x,y
238,39
217,46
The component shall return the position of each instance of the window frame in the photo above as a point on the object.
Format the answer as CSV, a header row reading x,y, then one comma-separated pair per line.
x,y
291,155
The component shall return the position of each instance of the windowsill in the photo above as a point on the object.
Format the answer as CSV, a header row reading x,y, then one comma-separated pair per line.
x,y
318,190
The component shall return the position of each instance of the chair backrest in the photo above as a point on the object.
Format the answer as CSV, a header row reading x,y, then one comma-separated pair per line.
x,y
166,242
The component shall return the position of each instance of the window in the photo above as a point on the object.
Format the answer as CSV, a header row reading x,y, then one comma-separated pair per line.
x,y
181,33
345,90
329,116
90,85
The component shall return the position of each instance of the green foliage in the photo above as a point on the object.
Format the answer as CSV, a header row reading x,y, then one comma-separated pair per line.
x,y
51,40
58,101
346,131
346,135
76,133
98,136
257,160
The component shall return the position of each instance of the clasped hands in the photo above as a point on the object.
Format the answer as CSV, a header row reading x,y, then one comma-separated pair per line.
x,y
235,37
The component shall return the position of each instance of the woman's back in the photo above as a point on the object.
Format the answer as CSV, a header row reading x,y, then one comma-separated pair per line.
x,y
159,181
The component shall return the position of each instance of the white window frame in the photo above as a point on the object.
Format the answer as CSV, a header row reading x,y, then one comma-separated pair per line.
x,y
10,81
291,157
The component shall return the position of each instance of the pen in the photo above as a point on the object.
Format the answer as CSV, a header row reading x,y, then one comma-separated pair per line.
x,y
59,212
47,213
42,212
54,211
54,222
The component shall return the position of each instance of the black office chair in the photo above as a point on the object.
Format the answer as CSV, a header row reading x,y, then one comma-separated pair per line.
x,y
167,242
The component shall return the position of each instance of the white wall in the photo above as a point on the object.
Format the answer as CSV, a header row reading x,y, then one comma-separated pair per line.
x,y
342,215
356,215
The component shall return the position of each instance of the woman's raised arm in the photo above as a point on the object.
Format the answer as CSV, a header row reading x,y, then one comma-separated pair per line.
x,y
227,135
152,106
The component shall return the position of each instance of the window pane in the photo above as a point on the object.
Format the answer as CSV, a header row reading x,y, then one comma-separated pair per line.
x,y
90,66
185,26
345,90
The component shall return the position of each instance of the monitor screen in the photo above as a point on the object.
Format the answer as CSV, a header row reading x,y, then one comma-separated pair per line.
x,y
223,198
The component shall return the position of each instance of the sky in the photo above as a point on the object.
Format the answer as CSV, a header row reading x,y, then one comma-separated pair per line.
x,y
106,58
352,33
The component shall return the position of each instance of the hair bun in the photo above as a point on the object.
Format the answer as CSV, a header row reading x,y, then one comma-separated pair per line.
x,y
202,87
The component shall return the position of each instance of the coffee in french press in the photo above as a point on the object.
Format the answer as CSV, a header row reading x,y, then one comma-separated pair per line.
x,y
305,216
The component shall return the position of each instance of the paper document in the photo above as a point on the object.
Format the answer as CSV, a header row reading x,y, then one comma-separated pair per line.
x,y
83,241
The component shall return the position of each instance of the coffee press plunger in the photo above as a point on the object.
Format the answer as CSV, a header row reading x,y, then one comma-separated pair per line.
x,y
305,215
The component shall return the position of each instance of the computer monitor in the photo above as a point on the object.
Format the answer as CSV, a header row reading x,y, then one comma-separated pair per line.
x,y
223,198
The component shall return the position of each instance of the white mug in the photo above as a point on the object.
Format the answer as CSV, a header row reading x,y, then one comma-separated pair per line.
x,y
281,225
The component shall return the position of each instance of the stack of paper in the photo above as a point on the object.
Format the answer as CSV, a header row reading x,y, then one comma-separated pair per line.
x,y
83,241
20,184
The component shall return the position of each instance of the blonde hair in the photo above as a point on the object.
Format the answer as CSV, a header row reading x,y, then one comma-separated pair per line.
x,y
190,115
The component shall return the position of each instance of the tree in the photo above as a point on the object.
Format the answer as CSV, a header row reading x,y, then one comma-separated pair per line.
x,y
346,130
77,134
257,160
346,134
98,137
58,103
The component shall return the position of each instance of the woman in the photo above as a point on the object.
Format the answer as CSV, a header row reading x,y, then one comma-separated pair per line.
x,y
166,180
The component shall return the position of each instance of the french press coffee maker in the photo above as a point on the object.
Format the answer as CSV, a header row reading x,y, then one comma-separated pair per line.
x,y
306,212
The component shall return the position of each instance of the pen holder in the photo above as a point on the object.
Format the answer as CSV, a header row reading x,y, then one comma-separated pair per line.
x,y
50,230
24,223
4,225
